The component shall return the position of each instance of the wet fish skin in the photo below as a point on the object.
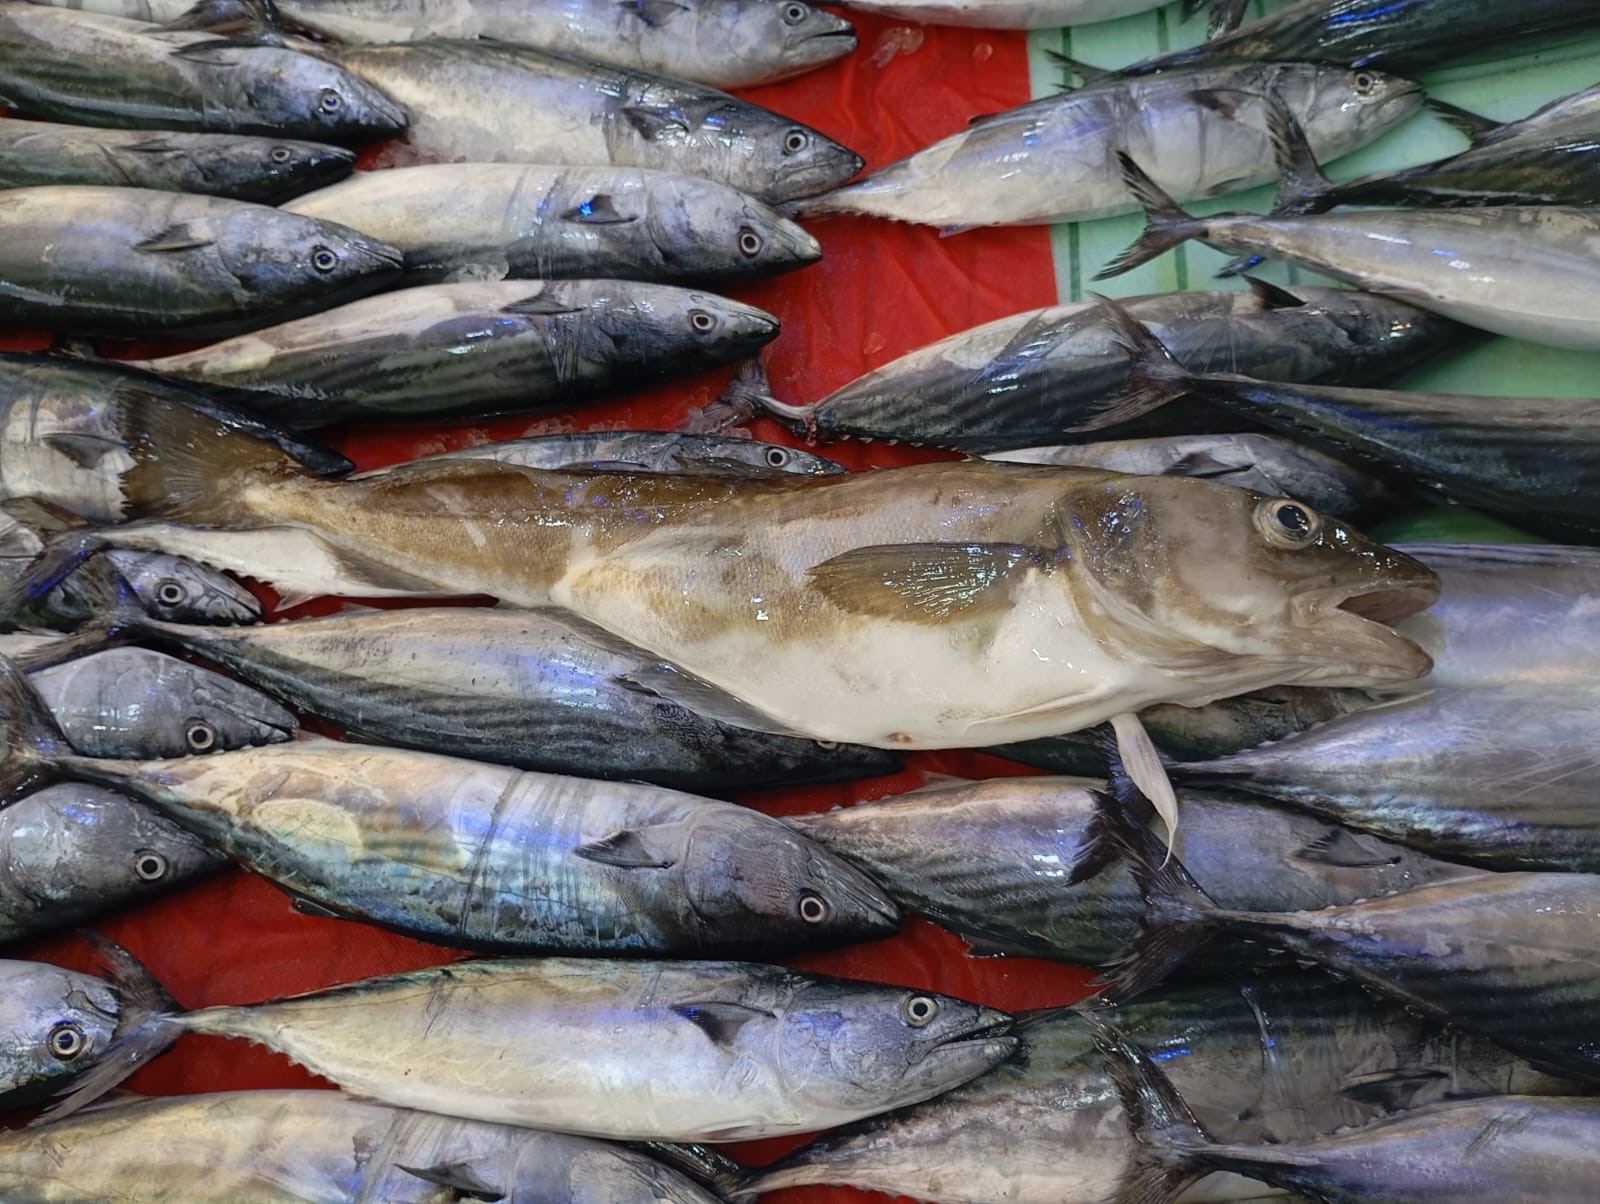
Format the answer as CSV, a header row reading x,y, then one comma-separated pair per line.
x,y
73,852
649,451
495,103
130,261
54,1025
519,221
531,344
101,70
1006,14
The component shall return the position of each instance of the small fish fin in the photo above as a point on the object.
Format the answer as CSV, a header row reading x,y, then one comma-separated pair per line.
x,y
1303,189
540,306
1393,1090
952,231
653,124
1154,376
626,848
456,1177
33,743
1166,224
1087,72
749,393
662,679
598,210
1226,16
1271,296
178,237
1224,102
1479,129
1201,464
927,582
702,1163
1143,766
1344,849
86,451
654,13
229,16
150,146
719,1020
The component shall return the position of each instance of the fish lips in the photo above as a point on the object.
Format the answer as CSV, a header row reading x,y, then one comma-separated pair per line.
x,y
1356,621
984,1042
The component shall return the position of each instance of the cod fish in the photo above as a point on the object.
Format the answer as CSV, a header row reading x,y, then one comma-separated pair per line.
x,y
493,220
73,852
317,1145
132,261
55,1025
1471,1151
102,70
1029,380
1021,14
648,451
1271,1059
243,168
1204,132
539,690
492,102
484,856
454,350
604,1048
1015,865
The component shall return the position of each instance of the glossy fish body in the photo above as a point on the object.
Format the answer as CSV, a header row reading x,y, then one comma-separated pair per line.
x,y
486,857
1006,14
649,451
70,853
1277,1059
629,1049
545,223
1029,380
267,170
535,689
1203,133
126,261
448,350
485,102
103,70
54,1025
263,1147
992,861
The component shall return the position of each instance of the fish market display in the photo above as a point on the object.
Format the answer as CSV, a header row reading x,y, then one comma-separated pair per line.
x,y
1273,1059
649,451
129,261
74,852
317,1145
1204,133
55,1024
103,70
491,102
507,219
267,170
1030,379
612,1048
475,349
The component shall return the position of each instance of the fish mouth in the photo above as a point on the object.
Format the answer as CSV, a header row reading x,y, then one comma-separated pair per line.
x,y
1358,619
990,1029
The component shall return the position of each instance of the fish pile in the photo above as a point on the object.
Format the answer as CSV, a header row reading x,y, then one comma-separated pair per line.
x,y
1333,785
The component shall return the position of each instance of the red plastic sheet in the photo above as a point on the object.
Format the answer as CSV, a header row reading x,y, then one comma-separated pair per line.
x,y
880,290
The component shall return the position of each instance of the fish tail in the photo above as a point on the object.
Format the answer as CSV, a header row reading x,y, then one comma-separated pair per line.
x,y
1167,224
1475,126
749,395
230,17
36,753
149,1020
711,1167
64,552
1154,376
114,617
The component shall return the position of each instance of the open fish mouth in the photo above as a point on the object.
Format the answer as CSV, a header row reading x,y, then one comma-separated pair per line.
x,y
1389,605
988,1030
1356,623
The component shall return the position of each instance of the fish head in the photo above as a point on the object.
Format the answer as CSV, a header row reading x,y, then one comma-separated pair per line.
x,y
883,1047
786,37
747,874
805,162
177,590
684,326
721,226
1362,101
289,257
54,1024
311,96
283,168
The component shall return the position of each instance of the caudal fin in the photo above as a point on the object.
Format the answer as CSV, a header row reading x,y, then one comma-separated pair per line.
x,y
33,743
749,395
1481,130
114,615
1154,376
704,1164
1167,225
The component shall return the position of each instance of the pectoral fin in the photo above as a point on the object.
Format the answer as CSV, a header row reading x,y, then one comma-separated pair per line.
x,y
1392,1090
1142,763
653,13
653,124
720,1021
1344,849
598,210
927,582
458,1178
86,451
626,848
179,237
665,680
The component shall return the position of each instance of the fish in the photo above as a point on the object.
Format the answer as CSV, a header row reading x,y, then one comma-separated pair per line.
x,y
1486,1150
1015,865
1055,160
492,220
241,167
93,69
1526,271
55,1025
536,689
484,856
1017,14
227,1147
1534,461
1029,379
492,102
1271,464
454,350
648,451
606,1048
1270,1058
89,259
65,424
74,852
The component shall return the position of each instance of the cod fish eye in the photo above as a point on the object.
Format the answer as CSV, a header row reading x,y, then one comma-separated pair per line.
x,y
919,1010
749,242
330,101
280,154
777,457
323,259
812,907
793,14
199,735
170,592
702,321
1288,523
795,141
66,1041
149,865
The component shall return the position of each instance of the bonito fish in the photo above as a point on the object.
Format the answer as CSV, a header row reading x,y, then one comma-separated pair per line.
x,y
649,451
1019,14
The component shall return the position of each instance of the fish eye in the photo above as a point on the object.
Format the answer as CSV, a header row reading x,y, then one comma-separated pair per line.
x,y
66,1041
812,907
1288,523
279,154
323,259
170,592
795,141
827,745
777,457
919,1010
749,242
149,865
199,735
793,14
703,322
1364,82
329,101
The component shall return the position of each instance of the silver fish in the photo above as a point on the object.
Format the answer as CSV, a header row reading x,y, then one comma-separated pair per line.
x,y
1007,14
492,220
648,451
448,350
1203,132
267,170
54,1025
487,102
129,261
72,852
275,1145
100,70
